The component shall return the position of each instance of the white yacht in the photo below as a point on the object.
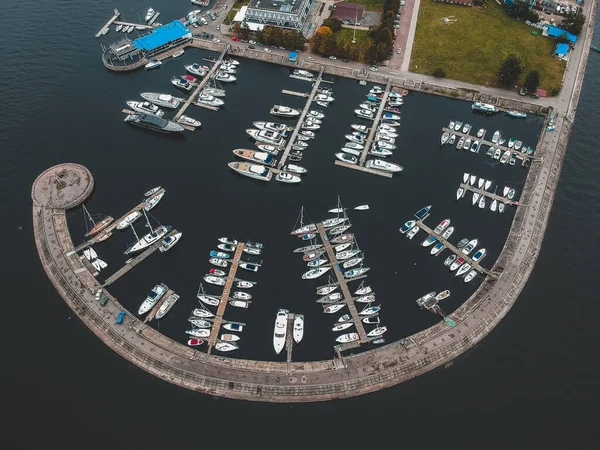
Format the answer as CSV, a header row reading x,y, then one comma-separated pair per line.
x,y
280,330
225,77
348,337
187,120
197,69
255,171
164,100
207,99
266,136
146,107
298,328
285,177
150,14
284,111
170,242
273,126
303,73
148,239
383,165
152,298
166,306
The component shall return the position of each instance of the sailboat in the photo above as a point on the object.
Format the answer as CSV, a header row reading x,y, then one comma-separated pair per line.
x,y
149,239
96,227
303,229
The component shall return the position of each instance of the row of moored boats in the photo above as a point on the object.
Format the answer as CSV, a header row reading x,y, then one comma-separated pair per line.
x,y
480,198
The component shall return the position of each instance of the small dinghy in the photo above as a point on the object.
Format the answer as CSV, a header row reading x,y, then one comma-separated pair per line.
x,y
361,207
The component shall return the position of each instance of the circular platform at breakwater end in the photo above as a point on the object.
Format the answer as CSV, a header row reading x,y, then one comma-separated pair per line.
x,y
63,186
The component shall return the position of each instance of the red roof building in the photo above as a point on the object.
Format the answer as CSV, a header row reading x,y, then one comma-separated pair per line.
x,y
349,12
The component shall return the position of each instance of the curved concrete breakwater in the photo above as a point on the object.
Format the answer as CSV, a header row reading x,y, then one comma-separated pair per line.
x,y
68,185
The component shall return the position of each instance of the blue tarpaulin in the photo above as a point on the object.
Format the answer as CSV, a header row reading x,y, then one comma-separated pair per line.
x,y
558,32
162,35
561,49
293,56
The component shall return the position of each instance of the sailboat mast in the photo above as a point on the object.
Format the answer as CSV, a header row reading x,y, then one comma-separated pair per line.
x,y
136,236
147,220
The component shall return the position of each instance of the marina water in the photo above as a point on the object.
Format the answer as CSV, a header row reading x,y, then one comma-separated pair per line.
x,y
61,105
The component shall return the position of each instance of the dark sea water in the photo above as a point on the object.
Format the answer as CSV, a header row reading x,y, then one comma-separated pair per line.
x,y
530,382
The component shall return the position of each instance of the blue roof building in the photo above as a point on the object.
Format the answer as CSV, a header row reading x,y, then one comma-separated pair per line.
x,y
293,56
162,37
558,32
561,50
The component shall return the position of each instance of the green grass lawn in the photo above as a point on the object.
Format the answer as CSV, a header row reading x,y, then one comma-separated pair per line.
x,y
370,5
363,41
473,48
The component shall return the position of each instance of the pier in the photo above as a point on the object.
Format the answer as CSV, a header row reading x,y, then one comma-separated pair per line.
x,y
214,333
491,195
452,248
309,101
150,316
297,94
289,337
482,142
154,18
372,131
109,23
136,260
343,283
200,86
107,232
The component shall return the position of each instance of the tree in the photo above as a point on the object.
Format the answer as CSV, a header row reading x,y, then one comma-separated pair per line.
x,y
574,22
439,72
371,56
244,32
532,81
320,41
521,9
237,29
333,23
510,70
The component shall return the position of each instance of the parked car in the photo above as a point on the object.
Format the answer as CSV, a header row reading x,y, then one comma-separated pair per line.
x,y
397,15
235,38
345,60
373,68
535,96
399,50
397,25
402,3
252,42
281,48
310,58
268,50
251,46
332,57
216,40
218,27
385,63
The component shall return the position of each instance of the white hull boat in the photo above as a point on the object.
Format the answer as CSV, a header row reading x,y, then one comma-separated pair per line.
x,y
298,328
280,330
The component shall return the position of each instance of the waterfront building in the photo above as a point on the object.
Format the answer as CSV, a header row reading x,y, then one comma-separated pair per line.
x,y
282,13
556,32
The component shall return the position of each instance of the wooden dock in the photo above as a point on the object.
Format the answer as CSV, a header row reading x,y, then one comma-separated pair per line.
x,y
452,248
225,296
309,100
154,17
154,310
381,173
200,86
343,283
109,23
136,260
135,25
376,121
297,94
499,198
482,141
104,234
289,338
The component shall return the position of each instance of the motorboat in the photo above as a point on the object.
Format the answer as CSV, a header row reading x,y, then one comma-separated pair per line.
x,y
233,326
429,241
181,83
251,250
482,202
254,156
244,284
218,262
215,92
437,248
238,295
375,151
198,332
525,149
324,98
449,260
166,306
310,126
511,142
148,239
164,100
442,226
344,318
360,127
345,157
216,272
355,138
361,208
518,145
248,266
256,171
207,99
371,320
364,113
456,264
459,193
458,125
475,147
226,346
266,136
384,132
146,107
500,207
226,247
169,242
346,237
149,14
228,337
390,116
446,234
284,111
332,309
217,281
460,144
511,194
272,149
479,255
490,152
354,145
348,337
444,138
342,326
505,157
220,255
294,168
495,137
423,212
90,254
225,77
316,114
187,120
300,144
407,226
470,246
315,273
298,330
353,273
467,144
512,160
369,298
481,133
152,298
466,128
452,139
370,311
470,276
376,332
119,27
384,144
383,165
497,153
197,69
303,73
193,342
154,63
463,269
272,126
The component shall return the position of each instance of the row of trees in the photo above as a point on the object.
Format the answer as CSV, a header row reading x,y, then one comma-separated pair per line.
x,y
383,34
511,70
326,43
521,9
574,22
289,39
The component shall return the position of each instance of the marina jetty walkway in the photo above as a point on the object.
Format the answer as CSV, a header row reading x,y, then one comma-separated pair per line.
x,y
491,195
298,126
201,85
66,186
343,284
218,320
